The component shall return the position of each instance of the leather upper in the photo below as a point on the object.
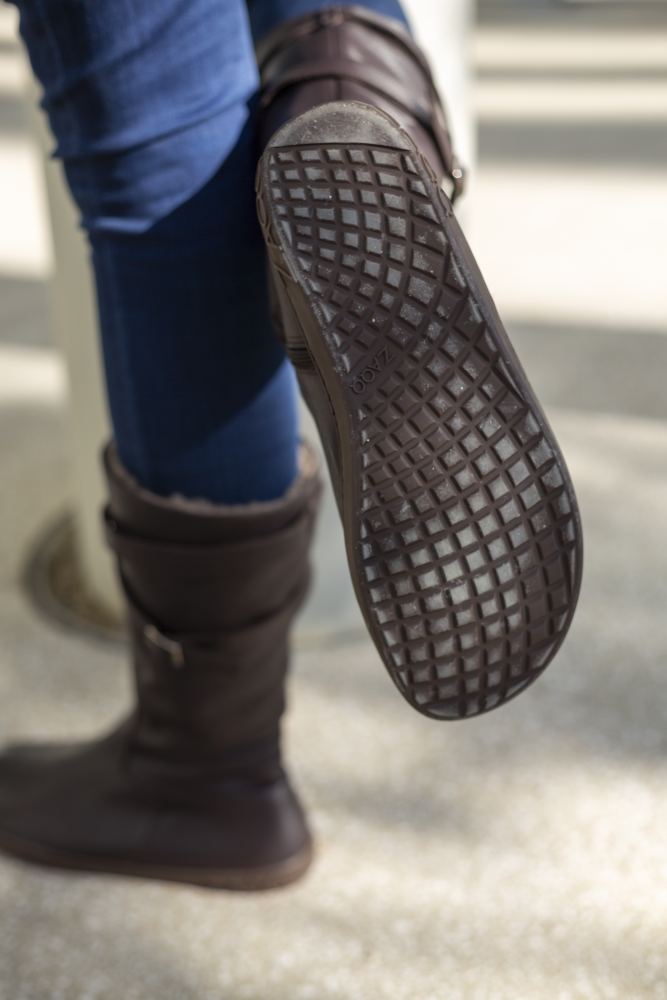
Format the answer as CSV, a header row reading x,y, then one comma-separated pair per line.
x,y
190,785
210,604
352,54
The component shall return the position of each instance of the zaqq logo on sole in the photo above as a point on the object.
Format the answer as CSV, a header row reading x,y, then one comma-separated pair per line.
x,y
368,374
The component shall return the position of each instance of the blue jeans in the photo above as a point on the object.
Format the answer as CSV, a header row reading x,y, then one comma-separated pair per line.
x,y
152,104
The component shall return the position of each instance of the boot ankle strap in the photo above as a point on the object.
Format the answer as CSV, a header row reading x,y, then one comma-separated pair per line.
x,y
220,650
429,115
172,555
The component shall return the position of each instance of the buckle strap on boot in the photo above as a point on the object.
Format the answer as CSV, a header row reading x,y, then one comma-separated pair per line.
x,y
225,649
427,111
171,556
212,690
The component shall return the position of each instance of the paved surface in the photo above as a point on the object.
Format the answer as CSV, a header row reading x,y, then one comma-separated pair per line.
x,y
516,857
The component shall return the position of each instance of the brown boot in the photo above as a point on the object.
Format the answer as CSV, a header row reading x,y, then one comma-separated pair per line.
x,y
460,520
190,787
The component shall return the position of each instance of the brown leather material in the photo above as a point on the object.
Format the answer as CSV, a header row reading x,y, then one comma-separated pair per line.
x,y
190,786
348,53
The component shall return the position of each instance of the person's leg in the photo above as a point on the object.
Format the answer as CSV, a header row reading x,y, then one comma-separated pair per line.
x,y
265,15
150,104
147,99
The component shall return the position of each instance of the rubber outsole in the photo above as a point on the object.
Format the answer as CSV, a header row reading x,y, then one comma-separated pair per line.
x,y
460,519
257,879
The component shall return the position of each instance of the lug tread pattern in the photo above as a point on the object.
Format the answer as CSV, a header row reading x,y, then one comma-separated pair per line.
x,y
467,528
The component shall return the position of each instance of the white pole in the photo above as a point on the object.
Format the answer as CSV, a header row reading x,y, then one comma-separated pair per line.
x,y
75,331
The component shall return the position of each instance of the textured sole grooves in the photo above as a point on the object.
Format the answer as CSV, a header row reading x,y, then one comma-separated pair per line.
x,y
466,540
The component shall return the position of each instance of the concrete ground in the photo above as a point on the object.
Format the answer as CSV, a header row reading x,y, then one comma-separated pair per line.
x,y
516,857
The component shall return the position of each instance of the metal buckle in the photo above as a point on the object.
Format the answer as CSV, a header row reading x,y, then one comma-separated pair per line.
x,y
458,178
172,647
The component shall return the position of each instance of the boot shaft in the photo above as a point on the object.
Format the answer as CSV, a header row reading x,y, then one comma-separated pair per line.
x,y
211,595
349,53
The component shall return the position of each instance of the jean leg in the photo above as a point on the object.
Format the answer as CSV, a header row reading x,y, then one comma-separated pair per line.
x,y
150,102
265,15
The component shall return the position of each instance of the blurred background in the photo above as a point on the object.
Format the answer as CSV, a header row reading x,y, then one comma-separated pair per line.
x,y
514,857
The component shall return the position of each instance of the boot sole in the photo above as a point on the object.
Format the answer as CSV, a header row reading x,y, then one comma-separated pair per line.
x,y
273,876
461,524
